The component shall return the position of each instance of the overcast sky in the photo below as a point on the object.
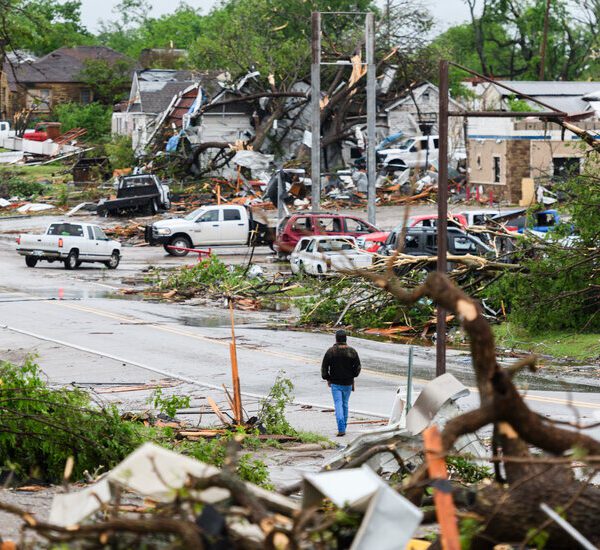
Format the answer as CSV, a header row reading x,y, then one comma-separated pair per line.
x,y
446,12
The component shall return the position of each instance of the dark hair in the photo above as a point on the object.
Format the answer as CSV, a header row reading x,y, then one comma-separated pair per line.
x,y
340,336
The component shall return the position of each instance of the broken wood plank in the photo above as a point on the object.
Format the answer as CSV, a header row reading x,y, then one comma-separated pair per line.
x,y
217,411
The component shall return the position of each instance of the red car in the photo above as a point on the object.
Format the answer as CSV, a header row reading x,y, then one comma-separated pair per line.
x,y
372,241
430,220
292,228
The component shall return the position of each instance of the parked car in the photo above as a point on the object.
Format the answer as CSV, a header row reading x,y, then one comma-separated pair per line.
x,y
478,217
430,220
320,255
212,225
422,241
415,152
70,243
372,242
292,228
143,193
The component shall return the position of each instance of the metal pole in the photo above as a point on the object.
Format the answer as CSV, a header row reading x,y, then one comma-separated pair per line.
x,y
280,193
371,114
442,222
409,379
315,82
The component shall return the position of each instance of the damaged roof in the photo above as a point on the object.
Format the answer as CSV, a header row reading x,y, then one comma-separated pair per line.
x,y
60,66
156,88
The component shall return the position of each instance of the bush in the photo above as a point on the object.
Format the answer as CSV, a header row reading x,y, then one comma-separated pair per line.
x,y
11,185
559,287
41,427
95,118
272,411
120,152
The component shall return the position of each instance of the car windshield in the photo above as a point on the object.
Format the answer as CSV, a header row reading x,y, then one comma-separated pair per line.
x,y
334,245
406,144
194,214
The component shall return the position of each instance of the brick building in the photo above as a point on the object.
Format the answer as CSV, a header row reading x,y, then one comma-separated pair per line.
x,y
40,84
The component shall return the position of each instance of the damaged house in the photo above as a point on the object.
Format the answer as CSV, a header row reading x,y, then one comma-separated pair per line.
x,y
164,104
40,84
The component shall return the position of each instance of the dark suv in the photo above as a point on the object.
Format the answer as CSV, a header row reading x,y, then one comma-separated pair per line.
x,y
422,241
303,224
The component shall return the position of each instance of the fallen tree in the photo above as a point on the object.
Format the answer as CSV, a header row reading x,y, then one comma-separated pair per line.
x,y
509,509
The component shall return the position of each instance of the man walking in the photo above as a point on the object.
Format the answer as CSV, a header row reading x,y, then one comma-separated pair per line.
x,y
341,365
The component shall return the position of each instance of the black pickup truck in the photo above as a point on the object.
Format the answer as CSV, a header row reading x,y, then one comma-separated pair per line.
x,y
143,193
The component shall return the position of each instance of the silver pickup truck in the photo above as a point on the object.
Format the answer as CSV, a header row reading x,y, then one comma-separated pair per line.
x,y
70,243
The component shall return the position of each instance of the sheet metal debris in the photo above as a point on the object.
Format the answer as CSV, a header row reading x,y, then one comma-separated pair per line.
x,y
153,472
362,490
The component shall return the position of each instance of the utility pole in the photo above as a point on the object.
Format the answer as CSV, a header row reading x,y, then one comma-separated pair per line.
x,y
442,221
371,115
544,42
315,82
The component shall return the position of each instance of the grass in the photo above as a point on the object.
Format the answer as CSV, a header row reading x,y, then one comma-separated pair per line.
x,y
571,345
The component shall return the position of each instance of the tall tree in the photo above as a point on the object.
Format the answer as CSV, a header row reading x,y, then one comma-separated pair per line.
x,y
504,39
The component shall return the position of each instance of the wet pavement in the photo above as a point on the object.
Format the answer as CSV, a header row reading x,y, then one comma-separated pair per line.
x,y
83,334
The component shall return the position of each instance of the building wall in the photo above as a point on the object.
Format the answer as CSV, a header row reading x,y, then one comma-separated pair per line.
x,y
224,127
542,153
56,93
518,159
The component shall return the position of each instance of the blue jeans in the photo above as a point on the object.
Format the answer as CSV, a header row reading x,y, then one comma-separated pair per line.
x,y
341,396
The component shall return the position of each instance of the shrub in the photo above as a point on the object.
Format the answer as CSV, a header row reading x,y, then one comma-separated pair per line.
x,y
272,411
12,185
95,118
120,152
42,427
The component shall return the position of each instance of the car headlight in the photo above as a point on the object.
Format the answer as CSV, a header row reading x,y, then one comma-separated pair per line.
x,y
162,231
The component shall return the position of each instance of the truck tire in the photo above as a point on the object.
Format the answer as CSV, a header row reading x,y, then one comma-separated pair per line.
x,y
113,263
180,241
72,260
31,261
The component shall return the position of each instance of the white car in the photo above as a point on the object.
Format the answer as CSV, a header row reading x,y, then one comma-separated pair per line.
x,y
70,243
320,255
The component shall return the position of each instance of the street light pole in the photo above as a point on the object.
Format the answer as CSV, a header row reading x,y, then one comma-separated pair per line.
x,y
442,221
371,115
315,82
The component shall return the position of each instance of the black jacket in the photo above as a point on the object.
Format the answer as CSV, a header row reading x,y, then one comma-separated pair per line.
x,y
341,365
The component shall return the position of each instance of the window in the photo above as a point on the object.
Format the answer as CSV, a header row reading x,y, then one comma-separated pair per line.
x,y
231,214
209,216
411,243
564,167
431,242
39,99
464,245
301,225
356,226
303,244
436,143
329,225
66,230
496,169
90,233
85,96
311,246
99,234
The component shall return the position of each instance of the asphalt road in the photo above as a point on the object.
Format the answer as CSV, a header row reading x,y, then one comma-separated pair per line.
x,y
84,335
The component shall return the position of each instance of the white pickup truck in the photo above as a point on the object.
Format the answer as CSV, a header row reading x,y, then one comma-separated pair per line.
x,y
323,255
70,243
210,225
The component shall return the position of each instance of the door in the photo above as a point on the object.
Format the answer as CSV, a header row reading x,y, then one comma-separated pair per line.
x,y
103,245
206,230
234,228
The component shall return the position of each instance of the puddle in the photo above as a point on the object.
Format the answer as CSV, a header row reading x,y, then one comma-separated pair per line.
x,y
56,293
